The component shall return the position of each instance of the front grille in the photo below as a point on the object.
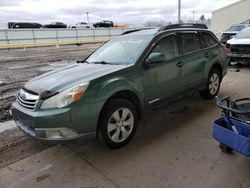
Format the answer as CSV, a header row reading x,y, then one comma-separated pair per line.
x,y
244,49
27,100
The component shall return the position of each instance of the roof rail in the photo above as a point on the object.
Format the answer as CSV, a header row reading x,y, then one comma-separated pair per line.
x,y
135,30
184,25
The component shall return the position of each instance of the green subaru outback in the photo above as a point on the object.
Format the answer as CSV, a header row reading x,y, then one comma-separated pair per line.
x,y
110,90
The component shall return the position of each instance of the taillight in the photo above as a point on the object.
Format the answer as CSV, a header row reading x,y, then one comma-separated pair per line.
x,y
226,48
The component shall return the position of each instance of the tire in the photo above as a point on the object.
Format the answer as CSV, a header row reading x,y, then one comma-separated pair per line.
x,y
114,130
213,85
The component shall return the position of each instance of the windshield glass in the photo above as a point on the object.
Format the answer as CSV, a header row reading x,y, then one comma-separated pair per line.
x,y
237,28
243,34
122,50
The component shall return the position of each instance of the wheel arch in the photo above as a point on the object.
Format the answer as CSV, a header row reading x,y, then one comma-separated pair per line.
x,y
218,67
123,94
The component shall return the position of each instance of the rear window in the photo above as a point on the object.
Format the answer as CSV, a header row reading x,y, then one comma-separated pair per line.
x,y
210,40
237,28
190,42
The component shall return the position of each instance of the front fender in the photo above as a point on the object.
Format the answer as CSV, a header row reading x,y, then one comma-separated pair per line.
x,y
112,86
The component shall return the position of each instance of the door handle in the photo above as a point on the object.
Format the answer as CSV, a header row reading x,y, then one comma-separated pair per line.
x,y
179,64
206,55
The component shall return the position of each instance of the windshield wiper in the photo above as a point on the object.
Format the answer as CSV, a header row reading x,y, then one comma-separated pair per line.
x,y
103,62
82,61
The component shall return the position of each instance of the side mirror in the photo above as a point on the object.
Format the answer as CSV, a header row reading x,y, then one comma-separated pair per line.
x,y
231,37
156,58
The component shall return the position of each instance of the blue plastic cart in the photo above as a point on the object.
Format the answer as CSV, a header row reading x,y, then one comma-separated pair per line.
x,y
232,130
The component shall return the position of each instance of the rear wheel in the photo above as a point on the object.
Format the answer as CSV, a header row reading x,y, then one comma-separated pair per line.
x,y
213,85
118,123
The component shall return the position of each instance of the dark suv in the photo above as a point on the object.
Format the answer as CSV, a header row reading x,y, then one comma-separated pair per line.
x,y
24,25
104,23
111,89
56,25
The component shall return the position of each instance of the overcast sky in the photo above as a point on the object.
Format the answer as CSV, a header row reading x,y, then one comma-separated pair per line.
x,y
120,11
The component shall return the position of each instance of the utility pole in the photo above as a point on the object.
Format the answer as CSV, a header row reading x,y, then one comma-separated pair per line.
x,y
179,11
87,16
193,15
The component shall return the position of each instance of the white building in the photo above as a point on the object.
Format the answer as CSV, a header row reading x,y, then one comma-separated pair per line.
x,y
223,18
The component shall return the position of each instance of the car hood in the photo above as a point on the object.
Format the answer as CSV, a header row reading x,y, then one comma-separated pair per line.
x,y
239,41
64,78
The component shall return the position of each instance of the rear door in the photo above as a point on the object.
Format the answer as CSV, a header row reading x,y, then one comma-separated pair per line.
x,y
194,57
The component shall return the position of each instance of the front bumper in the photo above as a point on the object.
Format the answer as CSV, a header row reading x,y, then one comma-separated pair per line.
x,y
239,57
46,125
49,133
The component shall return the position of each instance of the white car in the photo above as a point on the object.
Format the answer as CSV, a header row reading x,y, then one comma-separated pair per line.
x,y
239,47
81,25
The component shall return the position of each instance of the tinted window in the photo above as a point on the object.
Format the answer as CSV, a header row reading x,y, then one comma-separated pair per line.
x,y
237,28
190,42
210,40
244,34
168,47
23,25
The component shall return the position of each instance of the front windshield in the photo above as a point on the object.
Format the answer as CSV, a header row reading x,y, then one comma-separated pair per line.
x,y
121,50
243,34
237,28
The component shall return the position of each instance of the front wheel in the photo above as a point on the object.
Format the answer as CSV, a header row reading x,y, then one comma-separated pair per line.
x,y
213,85
118,123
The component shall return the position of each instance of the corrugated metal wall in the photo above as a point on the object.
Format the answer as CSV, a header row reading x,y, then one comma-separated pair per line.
x,y
232,14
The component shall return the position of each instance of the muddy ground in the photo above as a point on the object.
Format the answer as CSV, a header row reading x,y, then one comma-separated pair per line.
x,y
19,66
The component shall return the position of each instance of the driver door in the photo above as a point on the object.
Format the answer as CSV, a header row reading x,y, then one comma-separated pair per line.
x,y
167,78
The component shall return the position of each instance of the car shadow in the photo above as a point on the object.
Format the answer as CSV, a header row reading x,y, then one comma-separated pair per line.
x,y
156,125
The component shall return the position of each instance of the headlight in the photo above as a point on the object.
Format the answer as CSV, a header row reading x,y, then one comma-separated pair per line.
x,y
66,97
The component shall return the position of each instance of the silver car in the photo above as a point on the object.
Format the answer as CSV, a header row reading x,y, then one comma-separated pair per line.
x,y
239,47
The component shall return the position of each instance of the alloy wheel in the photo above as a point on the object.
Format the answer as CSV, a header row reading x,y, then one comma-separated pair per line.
x,y
120,125
214,84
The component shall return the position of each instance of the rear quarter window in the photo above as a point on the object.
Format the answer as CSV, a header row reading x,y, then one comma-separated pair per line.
x,y
210,40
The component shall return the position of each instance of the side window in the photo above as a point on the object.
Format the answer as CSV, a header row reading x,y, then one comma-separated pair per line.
x,y
168,47
190,42
210,40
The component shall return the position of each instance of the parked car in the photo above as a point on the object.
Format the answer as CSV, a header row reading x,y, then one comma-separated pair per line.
x,y
239,47
104,23
81,25
108,92
232,31
24,25
56,25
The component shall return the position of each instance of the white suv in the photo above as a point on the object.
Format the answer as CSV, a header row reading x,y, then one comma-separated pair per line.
x,y
81,25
